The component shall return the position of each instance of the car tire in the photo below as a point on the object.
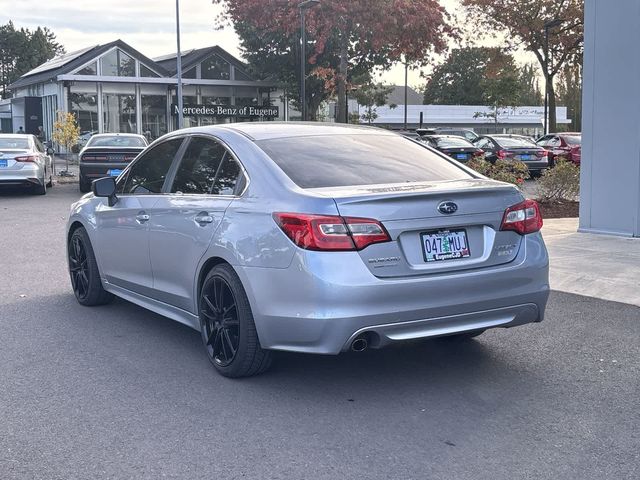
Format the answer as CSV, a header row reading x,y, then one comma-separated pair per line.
x,y
85,185
461,337
226,323
50,182
41,189
83,270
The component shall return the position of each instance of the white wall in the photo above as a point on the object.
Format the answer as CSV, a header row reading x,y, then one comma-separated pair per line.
x,y
610,171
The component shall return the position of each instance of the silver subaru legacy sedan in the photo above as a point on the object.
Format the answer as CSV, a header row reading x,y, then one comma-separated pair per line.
x,y
308,238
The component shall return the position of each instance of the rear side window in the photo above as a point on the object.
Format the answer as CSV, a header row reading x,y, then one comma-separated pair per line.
x,y
199,166
515,142
448,142
148,173
350,160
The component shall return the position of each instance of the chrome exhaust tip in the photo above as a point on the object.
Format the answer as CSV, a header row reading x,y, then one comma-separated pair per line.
x,y
360,344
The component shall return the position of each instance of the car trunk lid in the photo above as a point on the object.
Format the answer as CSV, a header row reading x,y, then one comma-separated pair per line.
x,y
410,213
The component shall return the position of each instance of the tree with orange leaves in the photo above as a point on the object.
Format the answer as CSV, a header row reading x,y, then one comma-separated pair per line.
x,y
354,34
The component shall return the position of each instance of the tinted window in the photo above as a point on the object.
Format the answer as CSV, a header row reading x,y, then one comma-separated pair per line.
x,y
148,173
484,143
514,142
343,160
117,141
573,139
199,166
449,142
228,177
15,143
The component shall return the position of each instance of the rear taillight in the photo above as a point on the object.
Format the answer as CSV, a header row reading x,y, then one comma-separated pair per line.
x,y
478,153
329,232
523,218
27,159
542,153
502,154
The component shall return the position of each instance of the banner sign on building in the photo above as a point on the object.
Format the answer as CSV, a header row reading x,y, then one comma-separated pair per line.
x,y
226,111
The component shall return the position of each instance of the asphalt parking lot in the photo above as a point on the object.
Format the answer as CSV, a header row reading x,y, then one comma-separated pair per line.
x,y
119,392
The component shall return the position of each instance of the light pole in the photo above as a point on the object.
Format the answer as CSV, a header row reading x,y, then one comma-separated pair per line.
x,y
406,90
548,26
179,67
303,6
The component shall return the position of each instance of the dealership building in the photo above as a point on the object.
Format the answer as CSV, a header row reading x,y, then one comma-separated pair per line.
x,y
115,88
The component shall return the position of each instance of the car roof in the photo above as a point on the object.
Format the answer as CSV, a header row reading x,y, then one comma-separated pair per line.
x,y
98,135
270,130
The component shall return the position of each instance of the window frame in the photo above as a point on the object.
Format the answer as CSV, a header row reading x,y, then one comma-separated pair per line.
x,y
125,173
166,189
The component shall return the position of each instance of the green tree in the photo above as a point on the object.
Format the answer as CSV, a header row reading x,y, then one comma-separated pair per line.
x,y
370,95
570,94
475,76
23,50
523,22
530,93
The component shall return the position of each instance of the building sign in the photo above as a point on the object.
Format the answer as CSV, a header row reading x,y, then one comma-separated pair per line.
x,y
226,111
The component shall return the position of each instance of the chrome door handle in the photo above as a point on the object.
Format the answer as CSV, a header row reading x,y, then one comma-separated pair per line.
x,y
142,217
203,218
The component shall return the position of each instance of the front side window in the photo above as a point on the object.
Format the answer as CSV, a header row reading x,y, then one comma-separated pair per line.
x,y
147,175
199,166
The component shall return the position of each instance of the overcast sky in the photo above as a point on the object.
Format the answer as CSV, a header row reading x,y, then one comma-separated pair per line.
x,y
146,25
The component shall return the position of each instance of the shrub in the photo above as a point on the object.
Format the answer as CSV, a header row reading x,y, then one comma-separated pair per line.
x,y
560,183
514,172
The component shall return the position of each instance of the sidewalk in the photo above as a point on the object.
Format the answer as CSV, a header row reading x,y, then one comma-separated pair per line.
x,y
601,266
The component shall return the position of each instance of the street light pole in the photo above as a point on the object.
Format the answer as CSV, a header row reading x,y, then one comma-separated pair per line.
x,y
179,67
406,90
303,55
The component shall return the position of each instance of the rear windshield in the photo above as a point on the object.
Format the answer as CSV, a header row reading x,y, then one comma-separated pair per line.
x,y
514,141
14,143
573,139
446,142
350,160
116,141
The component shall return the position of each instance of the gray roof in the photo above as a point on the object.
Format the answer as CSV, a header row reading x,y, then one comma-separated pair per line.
x,y
191,58
397,96
69,62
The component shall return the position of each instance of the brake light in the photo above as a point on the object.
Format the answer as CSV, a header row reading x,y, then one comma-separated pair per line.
x,y
329,232
478,153
502,154
26,159
523,218
542,153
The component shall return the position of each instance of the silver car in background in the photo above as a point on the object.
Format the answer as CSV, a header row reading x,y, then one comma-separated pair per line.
x,y
308,238
25,162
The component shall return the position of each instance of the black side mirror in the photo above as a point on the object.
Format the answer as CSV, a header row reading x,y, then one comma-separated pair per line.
x,y
105,187
50,151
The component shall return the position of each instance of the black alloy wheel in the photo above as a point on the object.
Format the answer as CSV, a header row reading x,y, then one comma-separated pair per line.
x,y
226,324
220,324
83,270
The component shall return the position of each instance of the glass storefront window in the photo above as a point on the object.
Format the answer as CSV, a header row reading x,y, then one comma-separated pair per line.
x,y
215,68
154,116
186,100
147,72
91,69
118,64
191,73
83,103
241,76
119,113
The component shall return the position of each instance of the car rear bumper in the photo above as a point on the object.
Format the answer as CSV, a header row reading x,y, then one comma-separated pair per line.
x,y
28,175
323,301
537,165
99,170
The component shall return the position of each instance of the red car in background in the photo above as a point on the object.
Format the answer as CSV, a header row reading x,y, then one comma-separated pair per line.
x,y
567,145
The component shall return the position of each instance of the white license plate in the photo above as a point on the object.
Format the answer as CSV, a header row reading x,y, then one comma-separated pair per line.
x,y
445,245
